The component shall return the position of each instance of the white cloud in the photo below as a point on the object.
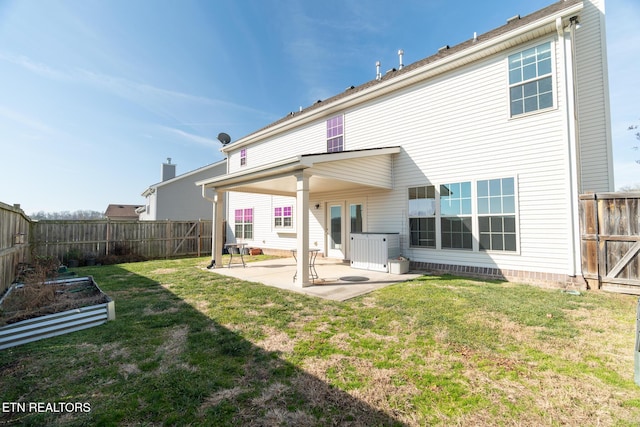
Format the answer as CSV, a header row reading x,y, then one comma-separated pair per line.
x,y
26,121
34,66
207,142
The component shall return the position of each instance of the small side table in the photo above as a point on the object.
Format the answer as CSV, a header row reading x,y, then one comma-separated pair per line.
x,y
239,247
313,254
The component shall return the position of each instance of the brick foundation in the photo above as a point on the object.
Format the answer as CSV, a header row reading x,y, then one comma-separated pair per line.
x,y
550,280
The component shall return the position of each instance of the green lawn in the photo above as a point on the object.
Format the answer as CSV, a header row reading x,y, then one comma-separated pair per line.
x,y
190,347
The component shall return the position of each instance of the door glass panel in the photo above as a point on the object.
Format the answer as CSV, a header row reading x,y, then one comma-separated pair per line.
x,y
336,227
356,218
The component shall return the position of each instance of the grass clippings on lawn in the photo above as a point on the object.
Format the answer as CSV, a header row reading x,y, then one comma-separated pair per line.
x,y
190,347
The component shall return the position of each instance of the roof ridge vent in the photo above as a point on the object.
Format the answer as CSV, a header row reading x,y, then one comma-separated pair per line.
x,y
513,18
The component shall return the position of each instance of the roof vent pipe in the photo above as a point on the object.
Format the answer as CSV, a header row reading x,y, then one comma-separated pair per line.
x,y
513,19
378,74
400,53
475,37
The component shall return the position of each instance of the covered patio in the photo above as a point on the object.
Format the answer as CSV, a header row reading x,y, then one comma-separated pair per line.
x,y
302,177
336,279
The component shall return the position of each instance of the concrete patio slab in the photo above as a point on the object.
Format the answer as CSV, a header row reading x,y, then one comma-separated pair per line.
x,y
330,284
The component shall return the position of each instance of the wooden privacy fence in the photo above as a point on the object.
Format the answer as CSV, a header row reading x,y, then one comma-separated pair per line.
x,y
14,248
98,238
610,233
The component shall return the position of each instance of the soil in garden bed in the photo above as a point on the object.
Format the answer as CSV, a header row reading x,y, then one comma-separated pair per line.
x,y
38,299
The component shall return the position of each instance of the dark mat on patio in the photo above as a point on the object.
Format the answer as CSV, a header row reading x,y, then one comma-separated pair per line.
x,y
354,278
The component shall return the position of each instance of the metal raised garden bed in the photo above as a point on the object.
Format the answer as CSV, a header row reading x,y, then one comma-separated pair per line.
x,y
57,322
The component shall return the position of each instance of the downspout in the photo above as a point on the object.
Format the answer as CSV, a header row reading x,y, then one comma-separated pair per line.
x,y
572,136
204,195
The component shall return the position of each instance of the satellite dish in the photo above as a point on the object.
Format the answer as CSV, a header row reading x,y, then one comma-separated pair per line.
x,y
224,138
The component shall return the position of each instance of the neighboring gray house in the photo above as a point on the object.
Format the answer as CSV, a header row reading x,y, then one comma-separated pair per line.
x,y
117,212
177,197
475,156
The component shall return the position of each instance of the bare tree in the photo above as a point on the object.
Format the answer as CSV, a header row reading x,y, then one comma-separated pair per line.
x,y
636,133
79,214
629,188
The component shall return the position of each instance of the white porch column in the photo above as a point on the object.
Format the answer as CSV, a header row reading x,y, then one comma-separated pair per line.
x,y
302,229
217,231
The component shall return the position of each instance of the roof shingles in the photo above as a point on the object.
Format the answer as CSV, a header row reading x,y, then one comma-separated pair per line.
x,y
442,53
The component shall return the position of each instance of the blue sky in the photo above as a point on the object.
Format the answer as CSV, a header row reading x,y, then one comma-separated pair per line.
x,y
95,95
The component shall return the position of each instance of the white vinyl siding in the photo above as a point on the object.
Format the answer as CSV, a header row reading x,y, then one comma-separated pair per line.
x,y
457,128
310,139
373,170
180,199
593,94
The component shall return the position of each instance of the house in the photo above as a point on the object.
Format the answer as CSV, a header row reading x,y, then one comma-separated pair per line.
x,y
176,197
474,156
117,212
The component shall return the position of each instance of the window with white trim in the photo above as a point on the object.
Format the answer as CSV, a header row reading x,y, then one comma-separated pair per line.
x,y
243,157
530,80
422,216
335,134
244,223
283,217
455,215
497,214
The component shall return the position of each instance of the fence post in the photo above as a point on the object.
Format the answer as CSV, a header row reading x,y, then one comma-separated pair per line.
x,y
169,240
199,237
589,239
108,241
636,353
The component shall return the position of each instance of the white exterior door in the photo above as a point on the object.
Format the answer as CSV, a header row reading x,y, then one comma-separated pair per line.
x,y
343,218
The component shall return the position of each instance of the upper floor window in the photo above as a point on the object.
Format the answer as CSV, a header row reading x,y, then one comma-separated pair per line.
x,y
335,134
243,157
530,82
